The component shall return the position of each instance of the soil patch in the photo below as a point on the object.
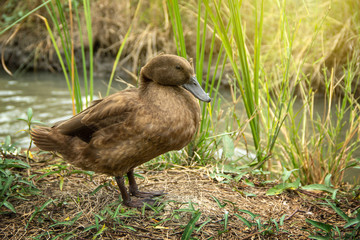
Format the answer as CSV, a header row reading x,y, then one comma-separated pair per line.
x,y
80,209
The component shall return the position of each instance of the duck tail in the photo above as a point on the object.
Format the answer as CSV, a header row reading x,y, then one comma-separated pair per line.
x,y
48,139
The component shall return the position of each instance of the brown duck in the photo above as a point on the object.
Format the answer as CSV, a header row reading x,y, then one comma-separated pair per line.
x,y
131,127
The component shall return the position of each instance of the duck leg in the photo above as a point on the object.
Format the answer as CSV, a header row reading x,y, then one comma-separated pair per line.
x,y
134,190
138,203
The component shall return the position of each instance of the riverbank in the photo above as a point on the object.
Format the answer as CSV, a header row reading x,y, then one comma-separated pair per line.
x,y
326,37
27,46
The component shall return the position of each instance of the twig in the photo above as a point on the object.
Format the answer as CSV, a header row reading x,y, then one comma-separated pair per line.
x,y
354,209
309,193
297,210
28,162
253,234
144,229
139,236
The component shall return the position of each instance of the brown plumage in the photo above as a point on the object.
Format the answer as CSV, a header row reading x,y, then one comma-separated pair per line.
x,y
128,128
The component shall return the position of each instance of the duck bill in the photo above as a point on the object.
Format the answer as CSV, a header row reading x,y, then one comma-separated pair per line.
x,y
194,87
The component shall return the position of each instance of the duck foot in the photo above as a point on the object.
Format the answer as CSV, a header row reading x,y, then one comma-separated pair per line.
x,y
134,190
127,201
139,203
147,194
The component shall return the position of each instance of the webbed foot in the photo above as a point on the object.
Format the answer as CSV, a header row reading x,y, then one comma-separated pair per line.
x,y
139,203
134,190
146,194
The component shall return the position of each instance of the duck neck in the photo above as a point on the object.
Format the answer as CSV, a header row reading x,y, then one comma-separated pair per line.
x,y
164,96
145,86
143,82
159,96
171,102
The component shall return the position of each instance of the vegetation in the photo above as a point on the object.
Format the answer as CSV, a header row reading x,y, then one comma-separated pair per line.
x,y
278,60
13,183
350,229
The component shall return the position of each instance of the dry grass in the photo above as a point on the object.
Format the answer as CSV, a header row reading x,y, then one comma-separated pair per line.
x,y
183,185
326,35
111,21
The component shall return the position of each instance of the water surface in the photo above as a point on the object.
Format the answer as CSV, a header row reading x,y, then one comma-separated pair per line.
x,y
46,93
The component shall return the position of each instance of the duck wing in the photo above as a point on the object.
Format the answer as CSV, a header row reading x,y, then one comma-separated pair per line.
x,y
102,113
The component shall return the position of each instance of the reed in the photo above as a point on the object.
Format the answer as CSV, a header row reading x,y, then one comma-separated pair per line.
x,y
65,51
226,20
268,96
68,64
248,81
117,58
315,143
89,92
201,149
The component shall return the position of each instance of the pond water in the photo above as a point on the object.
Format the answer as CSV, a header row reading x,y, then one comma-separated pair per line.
x,y
46,93
48,96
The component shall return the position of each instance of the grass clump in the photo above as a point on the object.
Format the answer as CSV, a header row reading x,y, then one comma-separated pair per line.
x,y
316,142
200,150
351,230
13,182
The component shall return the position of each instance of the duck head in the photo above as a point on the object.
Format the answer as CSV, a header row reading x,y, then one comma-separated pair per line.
x,y
172,70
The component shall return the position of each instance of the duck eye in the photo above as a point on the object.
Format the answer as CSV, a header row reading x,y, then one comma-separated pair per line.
x,y
178,67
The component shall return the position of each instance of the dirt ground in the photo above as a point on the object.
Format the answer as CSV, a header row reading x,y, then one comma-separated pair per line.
x,y
183,185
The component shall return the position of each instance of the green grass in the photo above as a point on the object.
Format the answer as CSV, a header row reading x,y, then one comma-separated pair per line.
x,y
315,145
69,67
63,27
13,185
214,15
13,182
324,144
200,150
351,230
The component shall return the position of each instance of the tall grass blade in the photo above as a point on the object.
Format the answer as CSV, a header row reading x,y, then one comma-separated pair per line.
x,y
87,13
25,16
244,220
83,58
175,18
338,211
59,20
323,226
57,51
190,227
249,91
72,56
121,49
